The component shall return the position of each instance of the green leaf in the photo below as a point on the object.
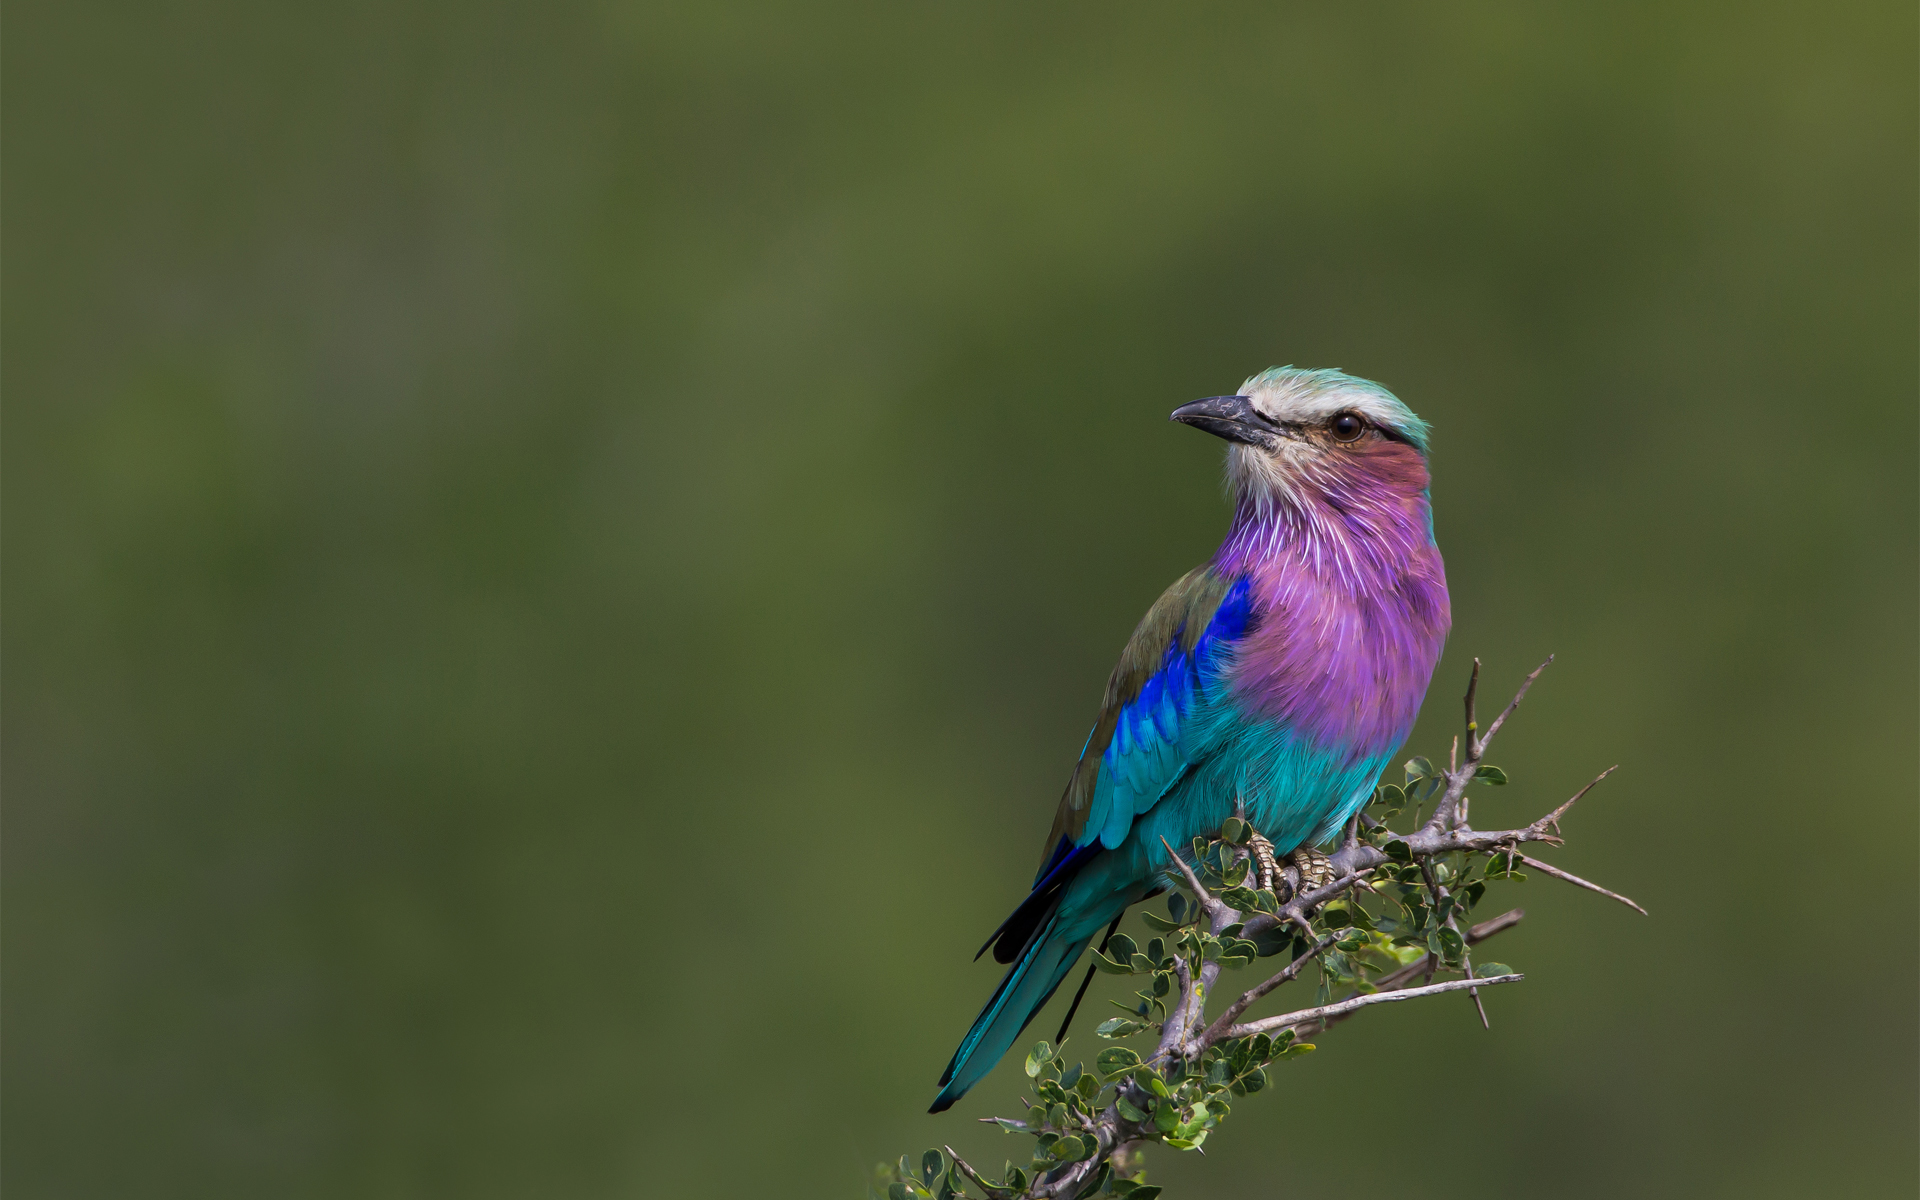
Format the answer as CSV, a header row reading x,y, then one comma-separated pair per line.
x,y
1418,768
1110,967
1166,1118
1116,1059
1156,951
1398,851
1236,831
931,1164
1244,899
898,1191
1016,1178
1037,1059
1492,775
1177,906
1071,1076
1120,947
1145,1191
1150,1079
1492,969
1118,1027
1269,942
1155,921
1390,796
1128,1110
1097,1181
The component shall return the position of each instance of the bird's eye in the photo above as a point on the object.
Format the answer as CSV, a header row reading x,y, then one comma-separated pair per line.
x,y
1346,427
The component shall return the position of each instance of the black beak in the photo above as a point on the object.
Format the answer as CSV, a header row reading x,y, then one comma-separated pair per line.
x,y
1231,417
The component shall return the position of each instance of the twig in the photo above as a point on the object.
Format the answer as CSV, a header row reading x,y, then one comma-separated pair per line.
x,y
1343,1007
1294,911
1466,964
1473,727
1433,890
1576,881
1207,902
1422,965
967,1169
1500,924
1173,1033
1514,703
1553,818
1292,971
1451,810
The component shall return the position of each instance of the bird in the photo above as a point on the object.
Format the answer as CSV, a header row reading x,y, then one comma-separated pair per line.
x,y
1275,681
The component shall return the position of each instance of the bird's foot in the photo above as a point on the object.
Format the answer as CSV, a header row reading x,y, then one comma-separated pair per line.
x,y
1314,869
1266,871
1304,869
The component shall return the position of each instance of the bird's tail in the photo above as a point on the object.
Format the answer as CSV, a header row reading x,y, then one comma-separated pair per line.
x,y
1049,954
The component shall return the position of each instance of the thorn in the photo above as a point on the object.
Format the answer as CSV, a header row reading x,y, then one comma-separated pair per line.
x,y
1576,881
1553,818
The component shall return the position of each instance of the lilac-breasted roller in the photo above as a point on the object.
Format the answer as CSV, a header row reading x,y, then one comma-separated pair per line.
x,y
1278,679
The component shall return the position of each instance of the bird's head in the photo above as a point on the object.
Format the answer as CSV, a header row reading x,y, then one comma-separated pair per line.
x,y
1292,430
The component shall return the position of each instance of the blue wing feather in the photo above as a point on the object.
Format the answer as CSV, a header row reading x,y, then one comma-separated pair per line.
x,y
1149,751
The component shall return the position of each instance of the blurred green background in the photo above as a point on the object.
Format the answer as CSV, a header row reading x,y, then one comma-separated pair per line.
x,y
557,558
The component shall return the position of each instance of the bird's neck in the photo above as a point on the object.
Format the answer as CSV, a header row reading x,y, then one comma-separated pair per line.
x,y
1356,522
1350,601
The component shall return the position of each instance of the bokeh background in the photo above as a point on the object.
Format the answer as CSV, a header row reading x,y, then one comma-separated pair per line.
x,y
557,557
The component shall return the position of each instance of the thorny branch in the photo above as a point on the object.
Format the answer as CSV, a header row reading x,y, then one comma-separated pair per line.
x,y
1186,1036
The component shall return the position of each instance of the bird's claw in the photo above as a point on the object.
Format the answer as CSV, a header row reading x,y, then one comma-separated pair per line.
x,y
1265,870
1314,869
1305,869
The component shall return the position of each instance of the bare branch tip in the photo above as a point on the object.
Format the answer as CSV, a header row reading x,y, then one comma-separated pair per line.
x,y
1193,881
1341,1008
1576,881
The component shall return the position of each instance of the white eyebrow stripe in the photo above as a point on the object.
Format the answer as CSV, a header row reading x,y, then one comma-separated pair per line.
x,y
1290,394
